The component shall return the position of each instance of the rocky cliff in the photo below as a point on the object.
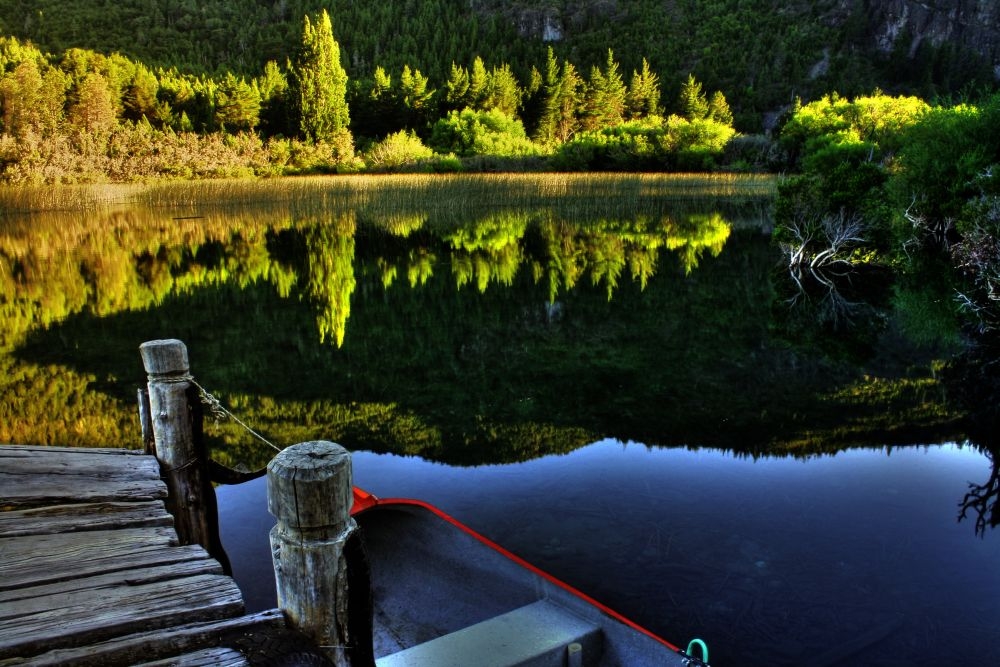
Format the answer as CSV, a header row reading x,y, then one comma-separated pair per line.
x,y
906,25
879,26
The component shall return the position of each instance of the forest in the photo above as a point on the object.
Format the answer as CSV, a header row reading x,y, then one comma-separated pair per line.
x,y
85,117
170,90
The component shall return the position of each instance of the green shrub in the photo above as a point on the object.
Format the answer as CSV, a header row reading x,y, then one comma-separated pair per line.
x,y
634,146
397,150
468,132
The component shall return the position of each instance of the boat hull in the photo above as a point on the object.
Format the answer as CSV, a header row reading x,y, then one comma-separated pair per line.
x,y
438,586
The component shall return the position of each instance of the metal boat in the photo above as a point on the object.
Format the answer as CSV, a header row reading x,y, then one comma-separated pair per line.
x,y
446,596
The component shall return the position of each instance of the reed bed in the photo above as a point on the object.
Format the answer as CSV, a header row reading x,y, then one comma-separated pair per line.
x,y
394,192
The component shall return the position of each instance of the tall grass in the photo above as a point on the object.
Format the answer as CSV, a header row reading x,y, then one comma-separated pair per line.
x,y
435,192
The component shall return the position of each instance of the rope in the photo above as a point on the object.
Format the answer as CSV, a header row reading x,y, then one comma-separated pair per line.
x,y
218,411
182,466
704,651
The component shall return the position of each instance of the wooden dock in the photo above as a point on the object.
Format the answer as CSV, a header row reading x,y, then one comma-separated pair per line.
x,y
94,572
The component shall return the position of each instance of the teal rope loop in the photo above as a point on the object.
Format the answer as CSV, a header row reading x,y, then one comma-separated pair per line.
x,y
700,644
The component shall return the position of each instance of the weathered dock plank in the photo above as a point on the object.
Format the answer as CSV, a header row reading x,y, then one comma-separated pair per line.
x,y
93,615
111,556
84,516
37,476
131,577
254,635
90,556
39,559
211,657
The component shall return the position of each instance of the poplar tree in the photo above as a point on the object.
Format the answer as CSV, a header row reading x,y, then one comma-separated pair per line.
x,y
320,82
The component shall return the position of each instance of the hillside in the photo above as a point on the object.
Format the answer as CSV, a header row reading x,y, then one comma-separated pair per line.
x,y
760,54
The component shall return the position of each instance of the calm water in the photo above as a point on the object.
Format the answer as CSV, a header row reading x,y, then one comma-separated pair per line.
x,y
488,346
853,559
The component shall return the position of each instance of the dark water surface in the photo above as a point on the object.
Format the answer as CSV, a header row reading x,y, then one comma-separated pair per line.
x,y
851,559
487,344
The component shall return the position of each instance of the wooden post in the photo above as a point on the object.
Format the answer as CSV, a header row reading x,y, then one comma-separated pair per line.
x,y
310,493
184,470
146,422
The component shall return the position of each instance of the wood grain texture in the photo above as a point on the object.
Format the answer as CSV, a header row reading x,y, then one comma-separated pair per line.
x,y
98,614
210,657
163,643
38,559
93,571
84,516
38,476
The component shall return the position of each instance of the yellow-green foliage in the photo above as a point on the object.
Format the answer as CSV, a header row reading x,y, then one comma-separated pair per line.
x,y
54,405
130,248
397,150
876,120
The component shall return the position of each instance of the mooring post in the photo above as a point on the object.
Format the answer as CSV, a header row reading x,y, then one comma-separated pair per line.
x,y
166,363
310,493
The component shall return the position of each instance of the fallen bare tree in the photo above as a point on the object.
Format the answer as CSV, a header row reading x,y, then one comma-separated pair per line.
x,y
819,254
823,241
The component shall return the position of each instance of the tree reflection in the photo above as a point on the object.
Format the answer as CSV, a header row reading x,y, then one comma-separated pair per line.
x,y
392,330
330,260
983,500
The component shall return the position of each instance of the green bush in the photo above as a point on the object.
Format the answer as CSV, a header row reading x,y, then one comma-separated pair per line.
x,y
648,145
468,132
634,146
697,144
397,150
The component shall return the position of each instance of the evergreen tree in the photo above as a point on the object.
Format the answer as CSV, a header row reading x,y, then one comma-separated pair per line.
x,y
381,84
456,88
237,104
320,82
531,101
643,98
52,100
21,100
693,103
140,95
570,99
377,111
605,100
413,89
478,80
413,98
93,111
503,91
273,88
718,109
550,104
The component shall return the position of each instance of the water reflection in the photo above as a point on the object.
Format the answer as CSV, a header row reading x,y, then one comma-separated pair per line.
x,y
514,334
855,557
412,330
982,501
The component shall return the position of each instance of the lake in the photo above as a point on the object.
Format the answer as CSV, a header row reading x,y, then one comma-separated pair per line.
x,y
613,376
